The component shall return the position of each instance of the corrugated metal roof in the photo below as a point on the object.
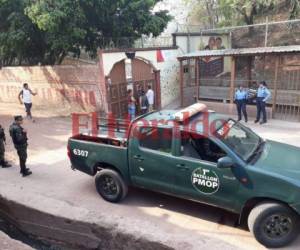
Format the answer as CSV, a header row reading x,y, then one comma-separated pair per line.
x,y
242,52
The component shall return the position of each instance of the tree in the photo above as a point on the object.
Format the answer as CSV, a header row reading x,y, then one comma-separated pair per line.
x,y
62,24
45,31
121,21
248,9
19,37
235,12
206,11
294,8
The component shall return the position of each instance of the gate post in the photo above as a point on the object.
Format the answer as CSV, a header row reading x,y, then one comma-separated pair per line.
x,y
102,82
181,83
275,86
157,89
197,73
232,81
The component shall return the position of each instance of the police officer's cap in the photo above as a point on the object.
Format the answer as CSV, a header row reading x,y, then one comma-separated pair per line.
x,y
18,118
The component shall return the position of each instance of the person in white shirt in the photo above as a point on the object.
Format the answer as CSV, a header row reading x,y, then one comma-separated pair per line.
x,y
150,97
25,97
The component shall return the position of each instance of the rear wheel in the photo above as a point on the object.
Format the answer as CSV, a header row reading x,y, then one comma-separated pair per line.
x,y
110,185
273,224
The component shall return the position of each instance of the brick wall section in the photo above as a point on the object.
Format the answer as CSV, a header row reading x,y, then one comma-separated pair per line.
x,y
72,88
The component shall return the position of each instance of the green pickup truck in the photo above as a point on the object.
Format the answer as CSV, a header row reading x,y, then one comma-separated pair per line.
x,y
199,155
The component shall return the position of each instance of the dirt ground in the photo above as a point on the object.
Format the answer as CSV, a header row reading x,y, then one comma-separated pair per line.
x,y
175,222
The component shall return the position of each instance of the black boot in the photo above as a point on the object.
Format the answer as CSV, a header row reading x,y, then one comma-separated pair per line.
x,y
26,172
5,164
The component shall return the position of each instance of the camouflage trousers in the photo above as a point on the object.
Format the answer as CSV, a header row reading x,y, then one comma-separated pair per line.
x,y
22,153
2,151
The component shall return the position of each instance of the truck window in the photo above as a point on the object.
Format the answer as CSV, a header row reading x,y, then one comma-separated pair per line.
x,y
159,139
199,147
188,146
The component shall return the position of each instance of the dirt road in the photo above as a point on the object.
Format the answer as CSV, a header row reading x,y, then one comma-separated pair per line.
x,y
177,223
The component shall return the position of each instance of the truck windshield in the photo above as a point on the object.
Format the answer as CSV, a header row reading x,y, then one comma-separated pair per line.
x,y
243,141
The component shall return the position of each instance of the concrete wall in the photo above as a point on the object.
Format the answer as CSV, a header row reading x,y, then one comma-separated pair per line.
x,y
64,231
169,69
71,88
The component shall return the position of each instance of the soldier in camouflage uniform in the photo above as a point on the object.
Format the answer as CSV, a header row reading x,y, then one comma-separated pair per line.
x,y
3,163
19,137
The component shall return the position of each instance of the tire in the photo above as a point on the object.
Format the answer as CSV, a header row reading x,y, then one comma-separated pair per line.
x,y
111,186
273,224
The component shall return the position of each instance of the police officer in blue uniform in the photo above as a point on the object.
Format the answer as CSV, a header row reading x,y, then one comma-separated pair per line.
x,y
263,95
241,95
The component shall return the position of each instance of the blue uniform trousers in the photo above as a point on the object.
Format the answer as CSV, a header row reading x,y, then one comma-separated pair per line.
x,y
261,109
241,109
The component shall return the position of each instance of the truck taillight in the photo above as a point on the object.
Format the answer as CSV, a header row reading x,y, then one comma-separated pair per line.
x,y
69,151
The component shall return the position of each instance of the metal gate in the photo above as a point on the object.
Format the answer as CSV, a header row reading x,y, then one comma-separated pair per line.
x,y
288,96
143,75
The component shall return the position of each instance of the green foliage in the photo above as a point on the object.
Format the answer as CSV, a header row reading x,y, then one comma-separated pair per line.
x,y
248,9
295,8
18,36
45,31
223,13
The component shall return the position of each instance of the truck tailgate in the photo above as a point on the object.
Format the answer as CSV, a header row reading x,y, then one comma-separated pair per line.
x,y
85,155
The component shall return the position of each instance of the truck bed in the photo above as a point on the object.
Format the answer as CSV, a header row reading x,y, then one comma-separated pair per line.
x,y
118,140
89,153
109,132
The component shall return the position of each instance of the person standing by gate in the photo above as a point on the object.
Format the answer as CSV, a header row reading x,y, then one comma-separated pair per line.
x,y
150,97
263,94
26,94
241,102
144,103
131,105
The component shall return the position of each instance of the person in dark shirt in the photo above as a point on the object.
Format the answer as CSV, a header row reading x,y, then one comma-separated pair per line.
x,y
3,162
144,104
19,138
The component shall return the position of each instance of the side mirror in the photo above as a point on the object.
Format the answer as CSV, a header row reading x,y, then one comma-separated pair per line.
x,y
225,162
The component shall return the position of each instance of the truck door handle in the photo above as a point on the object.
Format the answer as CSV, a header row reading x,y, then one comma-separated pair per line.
x,y
138,157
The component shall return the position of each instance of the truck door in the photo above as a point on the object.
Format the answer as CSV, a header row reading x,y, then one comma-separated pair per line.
x,y
199,178
151,159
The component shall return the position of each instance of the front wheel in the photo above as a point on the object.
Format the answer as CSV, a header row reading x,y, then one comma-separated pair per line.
x,y
273,224
110,185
